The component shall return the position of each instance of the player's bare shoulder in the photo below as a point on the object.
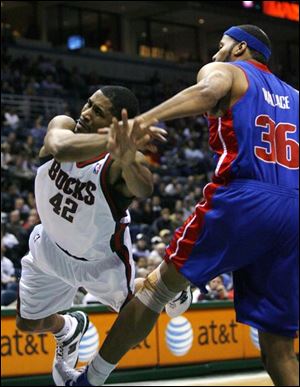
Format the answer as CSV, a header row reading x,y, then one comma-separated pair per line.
x,y
62,122
214,68
225,74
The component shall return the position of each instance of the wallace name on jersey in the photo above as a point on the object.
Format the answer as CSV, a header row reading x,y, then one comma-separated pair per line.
x,y
82,191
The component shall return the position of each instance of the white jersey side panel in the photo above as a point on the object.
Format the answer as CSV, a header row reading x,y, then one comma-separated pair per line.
x,y
73,207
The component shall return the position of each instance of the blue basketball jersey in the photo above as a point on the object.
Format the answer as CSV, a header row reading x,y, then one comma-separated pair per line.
x,y
258,138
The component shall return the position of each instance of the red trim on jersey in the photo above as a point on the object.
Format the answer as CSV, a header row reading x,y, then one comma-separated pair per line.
x,y
118,246
186,236
259,65
223,141
82,164
110,195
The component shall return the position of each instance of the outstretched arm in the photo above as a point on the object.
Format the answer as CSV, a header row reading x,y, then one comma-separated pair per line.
x,y
65,145
214,81
129,164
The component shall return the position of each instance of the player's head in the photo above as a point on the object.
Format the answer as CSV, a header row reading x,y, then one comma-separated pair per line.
x,y
106,103
244,42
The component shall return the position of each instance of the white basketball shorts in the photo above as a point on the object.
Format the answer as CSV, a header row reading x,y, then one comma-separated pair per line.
x,y
50,277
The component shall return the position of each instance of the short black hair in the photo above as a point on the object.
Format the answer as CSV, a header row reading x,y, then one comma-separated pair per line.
x,y
259,34
121,98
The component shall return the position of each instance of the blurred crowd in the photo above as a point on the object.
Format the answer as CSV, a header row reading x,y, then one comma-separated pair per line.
x,y
181,168
43,76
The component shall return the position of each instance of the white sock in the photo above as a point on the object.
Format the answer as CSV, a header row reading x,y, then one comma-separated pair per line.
x,y
68,329
99,370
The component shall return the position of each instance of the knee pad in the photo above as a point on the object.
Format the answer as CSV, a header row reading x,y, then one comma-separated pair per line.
x,y
154,294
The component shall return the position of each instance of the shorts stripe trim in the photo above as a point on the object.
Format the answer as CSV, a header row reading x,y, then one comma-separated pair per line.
x,y
185,238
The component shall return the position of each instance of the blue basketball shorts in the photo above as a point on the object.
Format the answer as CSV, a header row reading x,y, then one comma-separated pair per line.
x,y
249,228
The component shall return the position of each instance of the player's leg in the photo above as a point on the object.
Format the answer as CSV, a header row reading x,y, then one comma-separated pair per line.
x,y
178,305
141,313
279,359
41,295
133,324
53,324
267,291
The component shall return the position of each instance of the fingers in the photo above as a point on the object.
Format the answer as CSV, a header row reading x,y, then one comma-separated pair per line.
x,y
136,131
149,123
157,133
112,135
125,121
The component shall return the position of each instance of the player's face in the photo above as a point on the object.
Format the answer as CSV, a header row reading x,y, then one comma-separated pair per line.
x,y
224,54
95,114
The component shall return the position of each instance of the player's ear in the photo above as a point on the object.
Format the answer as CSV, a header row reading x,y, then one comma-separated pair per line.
x,y
240,48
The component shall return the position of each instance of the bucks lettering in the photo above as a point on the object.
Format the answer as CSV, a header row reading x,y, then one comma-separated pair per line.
x,y
82,191
63,206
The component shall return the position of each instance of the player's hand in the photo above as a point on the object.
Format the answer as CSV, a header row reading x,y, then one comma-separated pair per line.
x,y
144,133
130,132
124,140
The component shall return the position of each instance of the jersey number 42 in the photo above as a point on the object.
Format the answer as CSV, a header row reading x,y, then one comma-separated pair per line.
x,y
65,211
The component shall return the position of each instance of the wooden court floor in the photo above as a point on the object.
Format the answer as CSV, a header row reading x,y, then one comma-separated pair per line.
x,y
260,378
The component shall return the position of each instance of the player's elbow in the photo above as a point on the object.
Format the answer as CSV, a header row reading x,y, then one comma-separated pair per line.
x,y
55,146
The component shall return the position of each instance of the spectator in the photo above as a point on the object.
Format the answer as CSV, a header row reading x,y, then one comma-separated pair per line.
x,y
156,206
9,240
15,227
163,222
155,240
12,119
140,248
158,252
7,269
147,215
216,290
165,236
177,219
22,208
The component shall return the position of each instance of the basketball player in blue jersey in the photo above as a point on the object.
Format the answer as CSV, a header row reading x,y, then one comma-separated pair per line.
x,y
247,222
82,197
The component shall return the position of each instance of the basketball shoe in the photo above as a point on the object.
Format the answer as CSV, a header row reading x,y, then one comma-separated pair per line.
x,y
67,350
72,377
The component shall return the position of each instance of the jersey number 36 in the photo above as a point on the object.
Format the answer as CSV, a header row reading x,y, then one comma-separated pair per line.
x,y
280,149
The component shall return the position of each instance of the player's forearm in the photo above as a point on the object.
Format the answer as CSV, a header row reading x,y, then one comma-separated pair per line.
x,y
75,147
138,179
194,100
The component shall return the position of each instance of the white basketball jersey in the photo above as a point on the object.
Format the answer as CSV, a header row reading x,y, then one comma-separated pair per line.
x,y
77,207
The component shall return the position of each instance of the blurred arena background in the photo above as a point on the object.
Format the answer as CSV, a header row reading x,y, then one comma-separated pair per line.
x,y
54,55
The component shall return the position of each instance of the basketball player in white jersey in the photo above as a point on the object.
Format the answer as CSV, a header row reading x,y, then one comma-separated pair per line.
x,y
82,197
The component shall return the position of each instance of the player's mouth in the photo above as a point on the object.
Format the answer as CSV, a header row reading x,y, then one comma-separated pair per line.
x,y
83,125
